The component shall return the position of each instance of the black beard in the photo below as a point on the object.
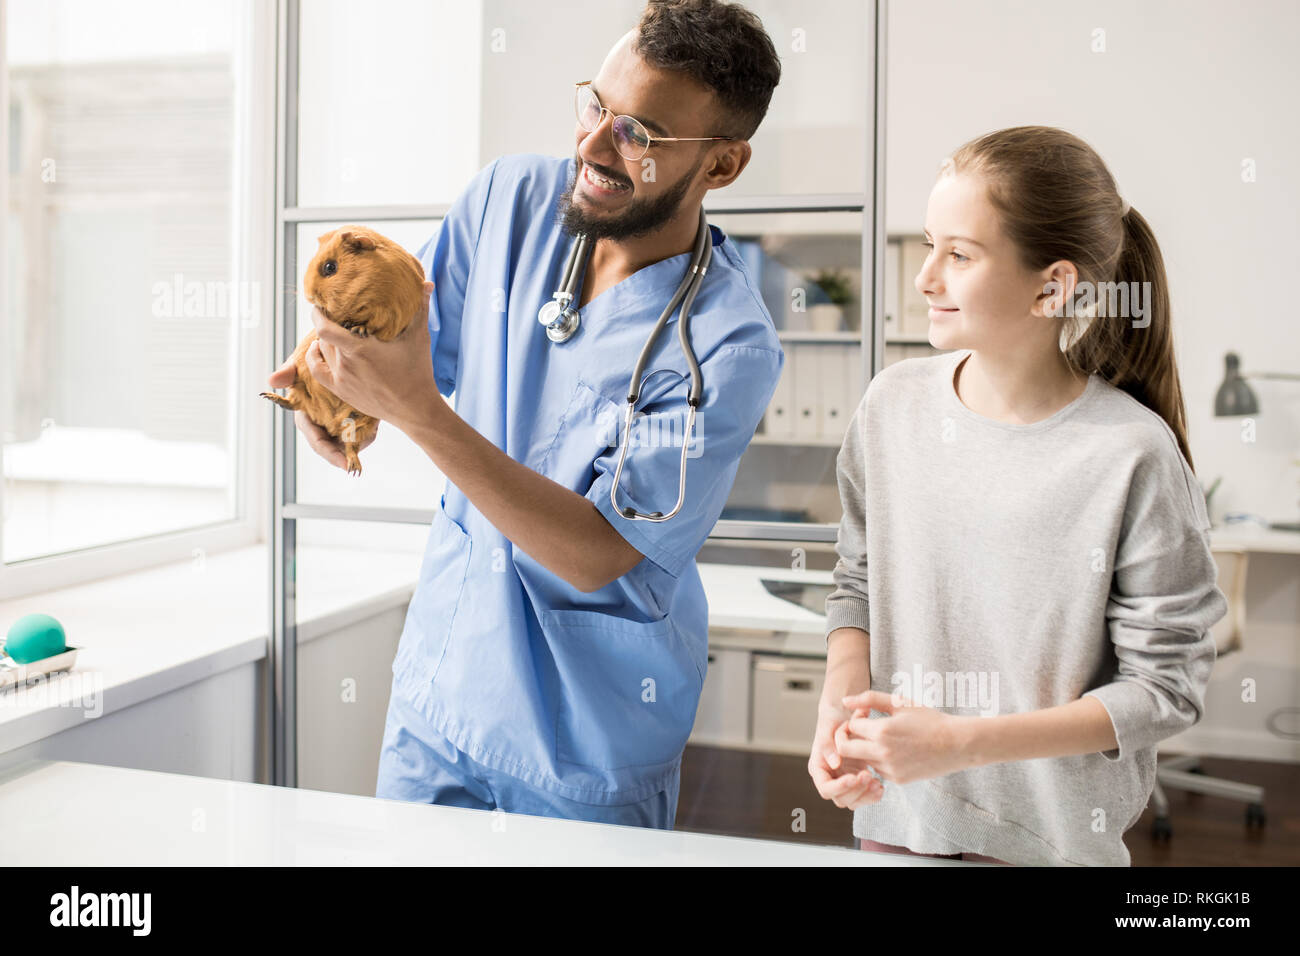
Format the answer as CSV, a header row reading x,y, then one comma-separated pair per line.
x,y
641,217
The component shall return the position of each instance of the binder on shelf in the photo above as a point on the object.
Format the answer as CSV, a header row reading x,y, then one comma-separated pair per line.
x,y
778,421
914,318
854,384
833,385
807,392
893,301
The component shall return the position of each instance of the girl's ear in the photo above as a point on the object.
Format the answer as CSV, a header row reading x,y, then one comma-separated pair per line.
x,y
1058,288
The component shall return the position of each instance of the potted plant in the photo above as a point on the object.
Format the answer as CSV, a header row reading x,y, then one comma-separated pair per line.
x,y
829,316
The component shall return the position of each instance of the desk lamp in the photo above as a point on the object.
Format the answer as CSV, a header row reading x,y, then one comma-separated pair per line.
x,y
1235,397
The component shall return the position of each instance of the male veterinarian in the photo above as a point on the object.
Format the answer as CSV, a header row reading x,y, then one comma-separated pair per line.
x,y
554,650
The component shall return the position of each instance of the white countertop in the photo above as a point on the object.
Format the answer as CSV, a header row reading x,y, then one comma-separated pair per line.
x,y
1246,537
77,814
737,599
150,632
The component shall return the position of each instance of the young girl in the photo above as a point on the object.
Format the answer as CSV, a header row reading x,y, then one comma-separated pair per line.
x,y
1025,587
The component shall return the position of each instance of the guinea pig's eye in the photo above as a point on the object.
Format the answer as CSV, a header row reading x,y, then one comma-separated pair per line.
x,y
329,267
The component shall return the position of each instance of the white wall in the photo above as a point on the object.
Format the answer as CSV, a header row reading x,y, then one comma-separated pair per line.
x,y
376,121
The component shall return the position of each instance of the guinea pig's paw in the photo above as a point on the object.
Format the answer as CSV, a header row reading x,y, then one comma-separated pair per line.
x,y
356,328
279,400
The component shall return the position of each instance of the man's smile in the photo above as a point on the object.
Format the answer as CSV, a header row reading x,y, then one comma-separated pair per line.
x,y
600,186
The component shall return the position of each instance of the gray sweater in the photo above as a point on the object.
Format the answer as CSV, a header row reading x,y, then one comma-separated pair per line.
x,y
1003,568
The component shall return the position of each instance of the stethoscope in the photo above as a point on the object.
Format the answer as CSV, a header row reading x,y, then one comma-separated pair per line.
x,y
562,319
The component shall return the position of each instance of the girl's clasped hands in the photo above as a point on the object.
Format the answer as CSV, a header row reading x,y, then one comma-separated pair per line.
x,y
912,743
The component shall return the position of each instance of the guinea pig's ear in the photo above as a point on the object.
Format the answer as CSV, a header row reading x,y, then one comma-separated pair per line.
x,y
322,237
357,240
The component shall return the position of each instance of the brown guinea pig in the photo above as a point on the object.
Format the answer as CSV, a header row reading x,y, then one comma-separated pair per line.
x,y
370,285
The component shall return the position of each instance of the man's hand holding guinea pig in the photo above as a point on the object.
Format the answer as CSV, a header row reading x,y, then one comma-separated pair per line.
x,y
392,381
321,441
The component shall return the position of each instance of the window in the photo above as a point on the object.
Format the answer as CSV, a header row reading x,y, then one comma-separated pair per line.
x,y
130,301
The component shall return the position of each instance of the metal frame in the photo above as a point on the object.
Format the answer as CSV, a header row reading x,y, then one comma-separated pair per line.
x,y
286,512
282,659
876,150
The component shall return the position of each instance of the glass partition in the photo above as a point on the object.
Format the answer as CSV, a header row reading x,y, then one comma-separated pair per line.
x,y
396,473
802,220
808,268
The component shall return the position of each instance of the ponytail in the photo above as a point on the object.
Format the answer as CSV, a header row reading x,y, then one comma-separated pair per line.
x,y
1137,355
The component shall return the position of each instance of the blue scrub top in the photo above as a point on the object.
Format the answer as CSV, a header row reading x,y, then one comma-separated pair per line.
x,y
590,696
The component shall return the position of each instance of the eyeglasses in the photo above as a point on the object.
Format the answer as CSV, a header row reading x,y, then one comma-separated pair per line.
x,y
631,138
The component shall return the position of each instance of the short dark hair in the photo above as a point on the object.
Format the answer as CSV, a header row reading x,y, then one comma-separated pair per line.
x,y
723,46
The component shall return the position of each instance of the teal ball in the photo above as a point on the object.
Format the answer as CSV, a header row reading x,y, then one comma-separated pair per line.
x,y
34,637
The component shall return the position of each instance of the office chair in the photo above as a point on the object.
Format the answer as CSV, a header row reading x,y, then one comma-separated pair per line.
x,y
1184,772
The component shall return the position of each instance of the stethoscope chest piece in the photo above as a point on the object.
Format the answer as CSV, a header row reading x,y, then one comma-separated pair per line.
x,y
558,315
560,322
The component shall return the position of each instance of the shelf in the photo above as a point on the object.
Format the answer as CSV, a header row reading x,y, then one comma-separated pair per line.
x,y
801,335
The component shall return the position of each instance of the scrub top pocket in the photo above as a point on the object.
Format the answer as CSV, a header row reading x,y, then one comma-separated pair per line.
x,y
436,600
588,429
628,690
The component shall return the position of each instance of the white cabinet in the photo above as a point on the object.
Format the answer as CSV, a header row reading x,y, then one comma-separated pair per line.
x,y
755,700
723,716
784,706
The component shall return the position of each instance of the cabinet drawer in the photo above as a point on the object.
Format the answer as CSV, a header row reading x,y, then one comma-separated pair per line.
x,y
723,715
785,695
